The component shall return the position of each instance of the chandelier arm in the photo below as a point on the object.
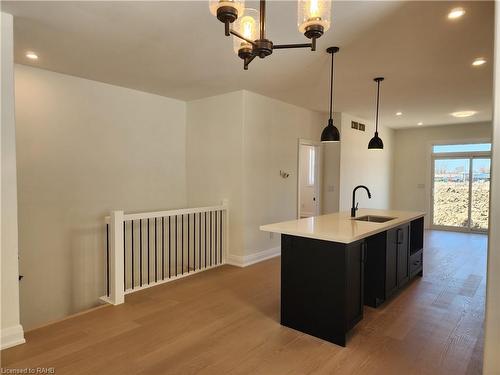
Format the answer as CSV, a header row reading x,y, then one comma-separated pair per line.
x,y
227,28
247,61
296,45
237,34
262,13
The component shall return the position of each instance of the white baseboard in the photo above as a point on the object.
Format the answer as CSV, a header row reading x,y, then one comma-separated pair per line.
x,y
247,260
11,336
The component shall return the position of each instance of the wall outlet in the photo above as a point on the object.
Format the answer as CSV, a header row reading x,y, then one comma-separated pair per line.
x,y
330,188
361,127
354,125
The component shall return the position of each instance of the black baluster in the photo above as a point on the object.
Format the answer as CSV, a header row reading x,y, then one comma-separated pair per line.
x,y
132,254
205,239
107,260
149,259
169,247
175,245
140,251
215,235
156,250
199,241
210,238
221,238
182,244
194,241
163,248
124,258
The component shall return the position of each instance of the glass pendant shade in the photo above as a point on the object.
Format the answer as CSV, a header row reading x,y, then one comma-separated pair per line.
x,y
314,13
238,5
248,26
376,143
330,133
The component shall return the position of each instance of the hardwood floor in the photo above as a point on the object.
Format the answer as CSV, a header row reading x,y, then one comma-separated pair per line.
x,y
226,321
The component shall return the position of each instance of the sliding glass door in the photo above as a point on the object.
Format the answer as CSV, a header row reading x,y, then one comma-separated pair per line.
x,y
460,188
480,193
451,192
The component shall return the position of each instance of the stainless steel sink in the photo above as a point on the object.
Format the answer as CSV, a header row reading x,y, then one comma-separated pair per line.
x,y
374,219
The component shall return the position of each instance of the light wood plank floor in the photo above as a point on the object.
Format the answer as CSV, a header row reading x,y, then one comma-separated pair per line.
x,y
226,321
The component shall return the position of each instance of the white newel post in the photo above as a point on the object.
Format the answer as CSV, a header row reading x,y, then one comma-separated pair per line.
x,y
225,203
116,287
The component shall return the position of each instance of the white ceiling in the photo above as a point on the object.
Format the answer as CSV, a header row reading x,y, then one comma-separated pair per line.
x,y
178,49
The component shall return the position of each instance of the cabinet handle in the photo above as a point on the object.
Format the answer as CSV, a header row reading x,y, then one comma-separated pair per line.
x,y
363,252
398,235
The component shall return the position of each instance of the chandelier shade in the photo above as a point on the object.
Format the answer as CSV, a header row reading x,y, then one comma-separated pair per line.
x,y
248,26
227,7
313,17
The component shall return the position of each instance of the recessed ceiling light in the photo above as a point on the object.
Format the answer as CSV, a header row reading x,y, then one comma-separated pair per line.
x,y
479,61
31,55
456,13
463,113
399,113
420,123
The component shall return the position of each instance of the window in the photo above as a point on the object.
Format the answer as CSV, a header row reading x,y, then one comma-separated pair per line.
x,y
312,164
461,186
470,147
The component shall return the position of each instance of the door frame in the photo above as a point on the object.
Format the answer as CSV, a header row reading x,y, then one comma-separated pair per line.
x,y
457,155
319,169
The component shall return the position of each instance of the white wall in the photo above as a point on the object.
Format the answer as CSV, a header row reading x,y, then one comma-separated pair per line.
x,y
85,148
236,145
491,364
214,144
331,171
360,166
412,178
270,144
11,332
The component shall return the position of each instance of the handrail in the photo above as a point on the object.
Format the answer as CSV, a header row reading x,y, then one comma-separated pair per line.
x,y
182,211
145,249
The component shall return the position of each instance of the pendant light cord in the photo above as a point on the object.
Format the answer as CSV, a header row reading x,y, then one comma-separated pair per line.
x,y
378,101
331,88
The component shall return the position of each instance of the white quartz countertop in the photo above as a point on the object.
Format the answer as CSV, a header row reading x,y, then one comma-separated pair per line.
x,y
340,227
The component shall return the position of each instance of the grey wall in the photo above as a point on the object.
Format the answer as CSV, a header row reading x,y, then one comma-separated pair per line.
x,y
85,148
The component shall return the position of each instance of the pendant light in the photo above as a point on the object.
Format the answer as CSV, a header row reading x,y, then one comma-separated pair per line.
x,y
376,142
330,133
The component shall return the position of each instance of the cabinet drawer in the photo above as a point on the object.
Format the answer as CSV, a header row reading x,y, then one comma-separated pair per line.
x,y
416,260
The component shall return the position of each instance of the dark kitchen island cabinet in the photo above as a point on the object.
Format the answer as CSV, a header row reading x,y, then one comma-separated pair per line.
x,y
332,265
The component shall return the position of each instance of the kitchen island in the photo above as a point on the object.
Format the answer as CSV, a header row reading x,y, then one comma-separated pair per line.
x,y
331,265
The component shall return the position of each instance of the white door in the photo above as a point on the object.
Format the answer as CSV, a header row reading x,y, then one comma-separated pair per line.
x,y
308,180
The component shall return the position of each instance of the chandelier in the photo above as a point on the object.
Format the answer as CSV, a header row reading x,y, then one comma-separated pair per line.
x,y
248,26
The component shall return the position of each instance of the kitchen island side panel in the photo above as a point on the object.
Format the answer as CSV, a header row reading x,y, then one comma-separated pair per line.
x,y
313,285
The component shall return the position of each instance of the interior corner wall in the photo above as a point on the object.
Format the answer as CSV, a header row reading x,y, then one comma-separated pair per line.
x,y
271,131
361,166
214,161
237,143
85,148
330,195
412,167
11,331
491,359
